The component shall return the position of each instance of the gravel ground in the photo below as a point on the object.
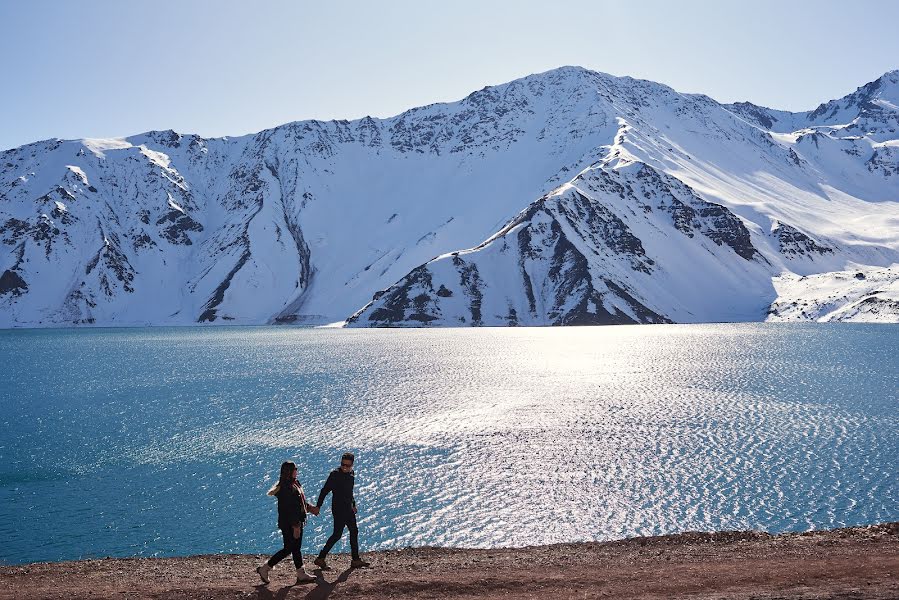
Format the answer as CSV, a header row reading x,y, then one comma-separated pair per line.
x,y
859,562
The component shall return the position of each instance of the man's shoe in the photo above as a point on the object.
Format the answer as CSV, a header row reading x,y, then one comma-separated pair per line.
x,y
358,563
321,564
304,577
263,572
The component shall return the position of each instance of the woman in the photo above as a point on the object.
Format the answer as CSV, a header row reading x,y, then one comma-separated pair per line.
x,y
292,510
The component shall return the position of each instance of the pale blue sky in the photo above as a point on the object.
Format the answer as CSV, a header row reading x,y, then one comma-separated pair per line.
x,y
104,68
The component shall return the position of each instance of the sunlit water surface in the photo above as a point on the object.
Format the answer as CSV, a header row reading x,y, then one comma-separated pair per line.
x,y
159,442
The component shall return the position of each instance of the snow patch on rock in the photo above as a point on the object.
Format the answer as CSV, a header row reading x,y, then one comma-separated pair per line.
x,y
858,295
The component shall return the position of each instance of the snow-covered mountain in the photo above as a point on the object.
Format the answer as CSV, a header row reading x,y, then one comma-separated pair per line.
x,y
567,197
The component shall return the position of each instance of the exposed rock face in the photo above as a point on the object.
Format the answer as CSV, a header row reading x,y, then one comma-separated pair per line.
x,y
602,200
793,243
11,283
176,225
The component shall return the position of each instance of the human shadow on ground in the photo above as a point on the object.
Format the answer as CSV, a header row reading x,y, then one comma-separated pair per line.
x,y
263,593
323,588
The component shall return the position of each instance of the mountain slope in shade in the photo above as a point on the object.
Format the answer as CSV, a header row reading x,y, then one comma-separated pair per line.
x,y
601,200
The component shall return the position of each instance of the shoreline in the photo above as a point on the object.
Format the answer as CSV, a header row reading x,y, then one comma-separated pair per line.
x,y
338,325
852,562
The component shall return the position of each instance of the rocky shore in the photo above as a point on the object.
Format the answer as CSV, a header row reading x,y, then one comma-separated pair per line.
x,y
851,563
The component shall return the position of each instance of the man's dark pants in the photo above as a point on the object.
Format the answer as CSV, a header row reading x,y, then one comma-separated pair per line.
x,y
342,520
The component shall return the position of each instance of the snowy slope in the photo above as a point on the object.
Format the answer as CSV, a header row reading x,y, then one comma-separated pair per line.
x,y
859,295
635,204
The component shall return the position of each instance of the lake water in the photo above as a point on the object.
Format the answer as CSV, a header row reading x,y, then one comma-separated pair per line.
x,y
157,442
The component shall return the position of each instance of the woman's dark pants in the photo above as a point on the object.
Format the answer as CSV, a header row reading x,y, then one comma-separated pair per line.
x,y
342,520
291,546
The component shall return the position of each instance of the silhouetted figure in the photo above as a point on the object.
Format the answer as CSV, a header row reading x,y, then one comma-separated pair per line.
x,y
292,511
343,508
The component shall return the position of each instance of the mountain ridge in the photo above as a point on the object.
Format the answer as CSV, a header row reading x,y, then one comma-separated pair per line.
x,y
892,75
306,221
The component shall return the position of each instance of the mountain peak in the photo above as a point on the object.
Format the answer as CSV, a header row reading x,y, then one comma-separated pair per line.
x,y
886,86
871,110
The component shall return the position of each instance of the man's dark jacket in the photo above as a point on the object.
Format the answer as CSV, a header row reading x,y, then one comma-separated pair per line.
x,y
340,484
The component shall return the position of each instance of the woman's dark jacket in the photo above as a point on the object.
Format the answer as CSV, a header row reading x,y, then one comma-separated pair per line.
x,y
291,506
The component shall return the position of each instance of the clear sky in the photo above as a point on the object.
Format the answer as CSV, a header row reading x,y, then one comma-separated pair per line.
x,y
105,68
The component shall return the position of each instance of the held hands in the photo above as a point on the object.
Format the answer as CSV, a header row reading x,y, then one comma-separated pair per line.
x,y
314,510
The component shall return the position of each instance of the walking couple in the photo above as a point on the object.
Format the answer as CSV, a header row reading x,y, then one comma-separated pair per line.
x,y
293,509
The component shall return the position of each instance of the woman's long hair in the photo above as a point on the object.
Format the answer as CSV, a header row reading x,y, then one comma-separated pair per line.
x,y
285,479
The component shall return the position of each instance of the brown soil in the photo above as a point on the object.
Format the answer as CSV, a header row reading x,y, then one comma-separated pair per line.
x,y
860,562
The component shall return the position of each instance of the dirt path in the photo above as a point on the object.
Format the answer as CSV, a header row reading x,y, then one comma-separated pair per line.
x,y
851,563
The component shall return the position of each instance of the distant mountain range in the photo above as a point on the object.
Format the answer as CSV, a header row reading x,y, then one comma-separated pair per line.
x,y
565,198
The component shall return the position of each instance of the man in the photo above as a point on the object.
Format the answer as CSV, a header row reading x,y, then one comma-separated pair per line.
x,y
343,508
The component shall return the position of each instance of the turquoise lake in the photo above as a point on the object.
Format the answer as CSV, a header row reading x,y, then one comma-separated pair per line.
x,y
163,441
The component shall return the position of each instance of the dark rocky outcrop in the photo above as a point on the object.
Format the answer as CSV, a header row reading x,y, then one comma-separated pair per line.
x,y
471,283
175,226
112,261
794,243
724,227
396,304
11,283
